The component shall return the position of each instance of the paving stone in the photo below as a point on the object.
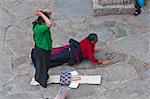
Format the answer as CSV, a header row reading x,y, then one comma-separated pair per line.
x,y
23,96
20,86
57,70
73,8
62,38
120,32
23,10
128,1
136,47
7,3
80,27
136,88
19,48
18,61
137,21
109,23
117,1
5,61
1,34
83,65
102,28
82,94
94,70
128,91
139,65
64,25
77,20
80,35
14,32
104,2
25,69
6,18
147,73
116,73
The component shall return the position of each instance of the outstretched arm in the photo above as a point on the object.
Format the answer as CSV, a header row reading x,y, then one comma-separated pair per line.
x,y
91,56
94,60
103,62
96,50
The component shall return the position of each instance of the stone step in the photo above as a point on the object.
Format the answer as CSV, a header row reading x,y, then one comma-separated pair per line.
x,y
104,2
111,9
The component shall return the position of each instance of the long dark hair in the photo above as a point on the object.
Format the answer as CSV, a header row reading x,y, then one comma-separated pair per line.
x,y
40,20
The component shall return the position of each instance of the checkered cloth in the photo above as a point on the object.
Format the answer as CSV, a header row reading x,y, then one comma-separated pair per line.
x,y
65,78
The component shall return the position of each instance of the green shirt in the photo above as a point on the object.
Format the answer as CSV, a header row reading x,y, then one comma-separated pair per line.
x,y
42,36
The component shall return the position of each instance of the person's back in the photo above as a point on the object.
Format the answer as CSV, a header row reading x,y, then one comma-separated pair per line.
x,y
88,49
42,36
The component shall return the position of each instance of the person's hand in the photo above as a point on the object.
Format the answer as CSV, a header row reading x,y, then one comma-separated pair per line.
x,y
100,61
45,10
103,62
38,13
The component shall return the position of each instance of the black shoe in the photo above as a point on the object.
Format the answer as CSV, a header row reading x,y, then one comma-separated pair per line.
x,y
44,86
136,13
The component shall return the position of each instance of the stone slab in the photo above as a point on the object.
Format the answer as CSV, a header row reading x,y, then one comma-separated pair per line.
x,y
118,9
117,1
137,46
104,2
6,18
120,31
73,8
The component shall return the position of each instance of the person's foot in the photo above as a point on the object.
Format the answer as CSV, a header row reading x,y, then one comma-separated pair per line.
x,y
34,82
136,13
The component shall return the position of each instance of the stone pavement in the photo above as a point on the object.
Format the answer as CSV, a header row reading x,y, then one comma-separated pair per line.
x,y
127,77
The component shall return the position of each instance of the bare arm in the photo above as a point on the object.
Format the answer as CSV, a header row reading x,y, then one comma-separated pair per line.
x,y
46,10
96,50
47,21
103,62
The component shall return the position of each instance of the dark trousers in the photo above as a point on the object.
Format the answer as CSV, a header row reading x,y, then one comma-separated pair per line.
x,y
59,58
137,6
40,59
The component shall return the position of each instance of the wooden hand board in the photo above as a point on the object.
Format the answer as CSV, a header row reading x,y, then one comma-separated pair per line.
x,y
75,79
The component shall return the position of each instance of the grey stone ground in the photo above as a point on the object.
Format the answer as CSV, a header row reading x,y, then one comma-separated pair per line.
x,y
127,77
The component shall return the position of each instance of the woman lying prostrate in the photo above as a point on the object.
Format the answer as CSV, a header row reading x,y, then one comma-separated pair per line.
x,y
75,52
